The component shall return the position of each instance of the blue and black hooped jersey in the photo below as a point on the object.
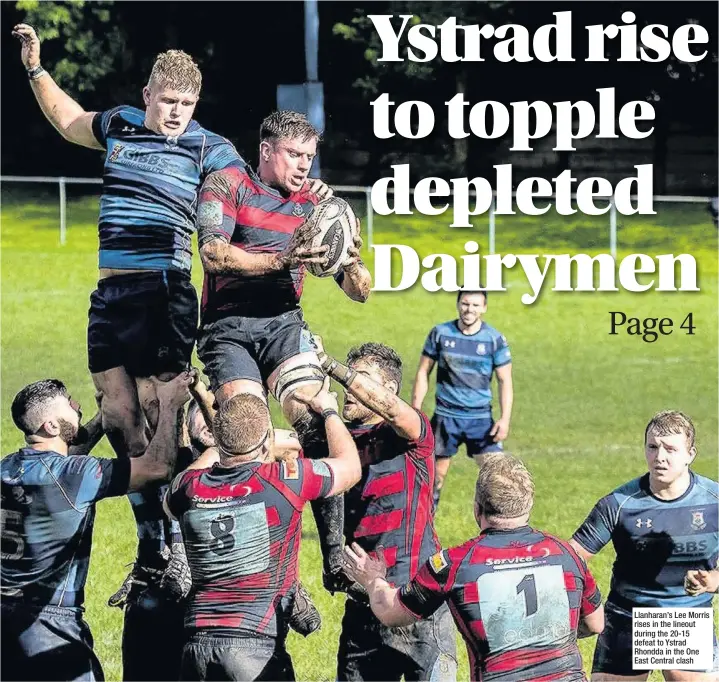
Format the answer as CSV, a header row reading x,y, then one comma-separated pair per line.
x,y
150,189
657,541
465,363
48,512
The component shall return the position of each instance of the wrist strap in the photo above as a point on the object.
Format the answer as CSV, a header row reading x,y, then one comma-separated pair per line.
x,y
326,414
34,74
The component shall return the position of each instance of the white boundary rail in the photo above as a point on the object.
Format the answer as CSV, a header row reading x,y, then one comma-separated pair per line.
x,y
62,182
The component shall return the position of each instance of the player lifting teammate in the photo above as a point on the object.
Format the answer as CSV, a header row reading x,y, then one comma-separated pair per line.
x,y
519,597
253,243
242,521
391,507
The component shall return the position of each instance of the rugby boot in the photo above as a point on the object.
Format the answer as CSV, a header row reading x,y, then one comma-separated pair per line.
x,y
304,618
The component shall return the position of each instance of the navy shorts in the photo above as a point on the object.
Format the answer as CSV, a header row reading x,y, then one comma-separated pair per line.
x,y
145,322
153,636
206,657
613,653
371,651
233,348
451,432
48,643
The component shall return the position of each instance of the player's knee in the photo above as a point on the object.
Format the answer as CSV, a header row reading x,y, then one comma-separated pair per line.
x,y
300,376
232,388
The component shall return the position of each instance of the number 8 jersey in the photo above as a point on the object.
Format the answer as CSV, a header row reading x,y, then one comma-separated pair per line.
x,y
242,528
517,597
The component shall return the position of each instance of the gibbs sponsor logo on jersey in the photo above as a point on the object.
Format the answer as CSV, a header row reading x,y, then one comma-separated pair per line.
x,y
140,158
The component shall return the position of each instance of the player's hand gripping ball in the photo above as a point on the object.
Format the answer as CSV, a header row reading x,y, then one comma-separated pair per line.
x,y
333,223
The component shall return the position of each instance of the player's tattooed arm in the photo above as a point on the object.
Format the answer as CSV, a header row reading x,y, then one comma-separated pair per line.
x,y
381,399
63,112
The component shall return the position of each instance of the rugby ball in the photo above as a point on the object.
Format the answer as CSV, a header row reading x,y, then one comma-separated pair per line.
x,y
336,222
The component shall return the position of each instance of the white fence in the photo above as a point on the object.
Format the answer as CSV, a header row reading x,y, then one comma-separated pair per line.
x,y
62,182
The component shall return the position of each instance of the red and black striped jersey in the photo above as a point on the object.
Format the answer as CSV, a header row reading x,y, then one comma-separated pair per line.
x,y
241,528
517,597
237,207
391,506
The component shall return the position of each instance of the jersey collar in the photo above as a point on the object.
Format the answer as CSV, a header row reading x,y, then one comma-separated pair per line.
x,y
459,329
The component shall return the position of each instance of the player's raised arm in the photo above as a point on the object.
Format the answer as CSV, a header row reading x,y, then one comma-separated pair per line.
x,y
343,458
383,400
159,459
65,114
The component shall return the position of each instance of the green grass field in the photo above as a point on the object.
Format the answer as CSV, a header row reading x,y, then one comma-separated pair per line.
x,y
582,397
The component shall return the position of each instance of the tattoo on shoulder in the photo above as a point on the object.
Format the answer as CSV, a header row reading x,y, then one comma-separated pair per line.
x,y
221,185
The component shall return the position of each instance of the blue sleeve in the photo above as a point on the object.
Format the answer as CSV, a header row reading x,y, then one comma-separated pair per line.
x,y
597,529
430,345
220,154
501,355
101,124
100,478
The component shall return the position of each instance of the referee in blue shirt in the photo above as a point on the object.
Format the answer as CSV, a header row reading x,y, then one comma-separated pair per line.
x,y
467,351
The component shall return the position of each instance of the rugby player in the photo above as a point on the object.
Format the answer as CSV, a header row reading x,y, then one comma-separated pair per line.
x,y
468,351
253,243
390,507
663,526
48,512
520,597
241,521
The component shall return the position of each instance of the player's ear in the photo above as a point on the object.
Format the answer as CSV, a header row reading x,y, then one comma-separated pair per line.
x,y
265,150
146,95
393,386
692,455
51,427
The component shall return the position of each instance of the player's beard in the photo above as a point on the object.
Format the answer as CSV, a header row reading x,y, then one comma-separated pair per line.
x,y
72,435
356,413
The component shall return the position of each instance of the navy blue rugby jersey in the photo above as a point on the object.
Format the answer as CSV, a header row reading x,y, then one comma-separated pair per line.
x,y
150,190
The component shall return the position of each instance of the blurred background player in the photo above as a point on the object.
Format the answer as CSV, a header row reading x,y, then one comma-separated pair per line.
x,y
390,507
520,597
253,244
467,351
241,521
143,314
48,512
663,525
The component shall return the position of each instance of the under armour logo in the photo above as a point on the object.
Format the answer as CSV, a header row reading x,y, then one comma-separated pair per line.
x,y
128,129
449,344
644,524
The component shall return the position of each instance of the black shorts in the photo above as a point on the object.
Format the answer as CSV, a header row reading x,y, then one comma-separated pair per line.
x,y
145,322
153,636
233,348
371,651
451,432
48,643
206,657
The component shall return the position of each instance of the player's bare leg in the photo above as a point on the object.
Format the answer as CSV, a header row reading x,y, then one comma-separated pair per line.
x,y
148,397
122,417
232,388
690,676
301,377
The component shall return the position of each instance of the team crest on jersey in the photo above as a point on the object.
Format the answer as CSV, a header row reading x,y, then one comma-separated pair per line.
x,y
698,522
116,152
481,349
298,211
290,470
438,562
